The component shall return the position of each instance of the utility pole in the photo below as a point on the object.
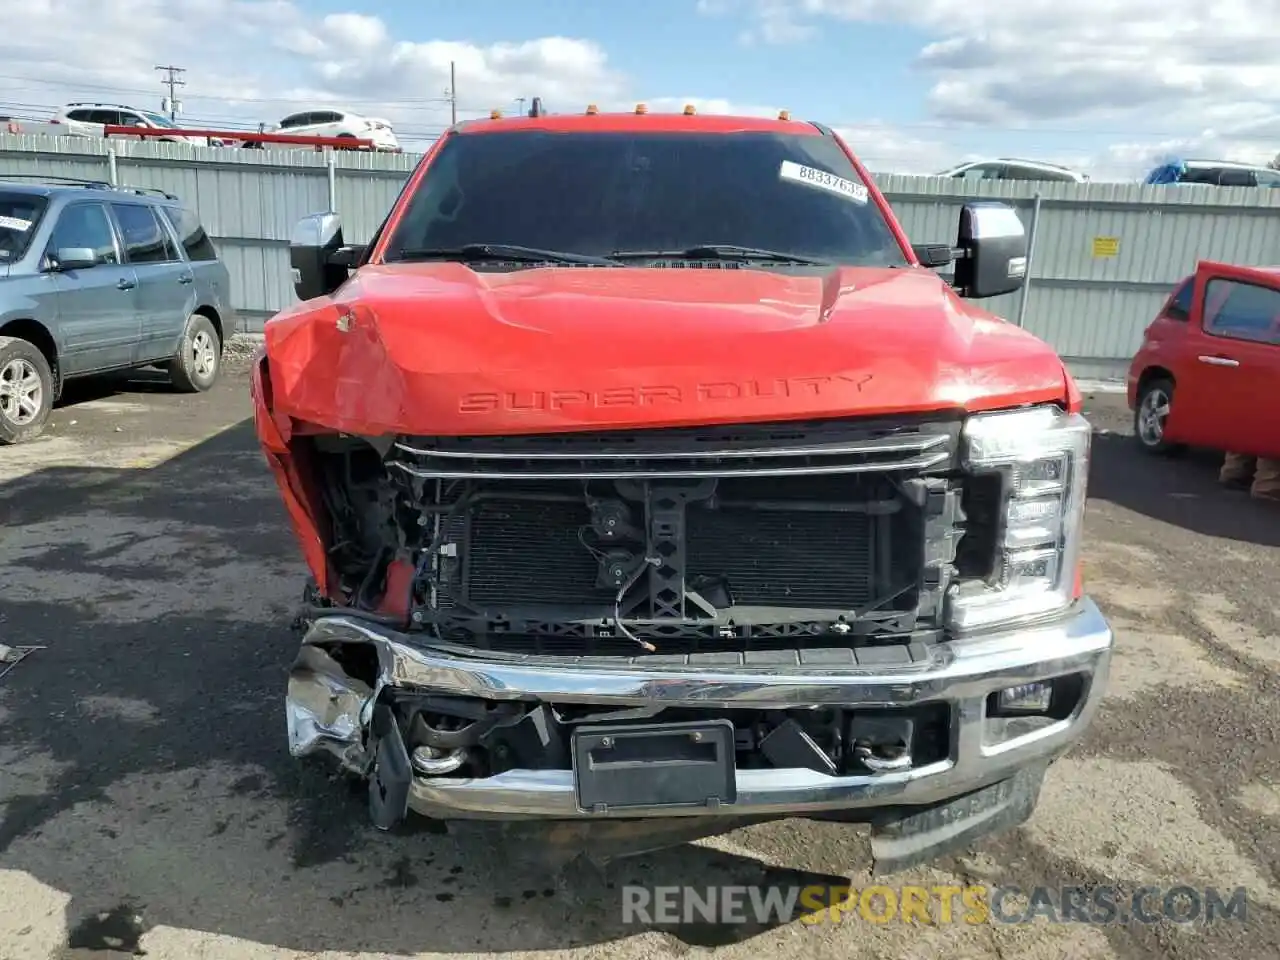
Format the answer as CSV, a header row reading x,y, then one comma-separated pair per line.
x,y
453,94
520,100
171,81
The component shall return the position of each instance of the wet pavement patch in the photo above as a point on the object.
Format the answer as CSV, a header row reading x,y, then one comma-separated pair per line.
x,y
119,929
402,875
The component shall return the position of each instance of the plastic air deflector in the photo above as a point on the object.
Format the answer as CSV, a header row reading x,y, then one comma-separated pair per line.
x,y
635,767
390,779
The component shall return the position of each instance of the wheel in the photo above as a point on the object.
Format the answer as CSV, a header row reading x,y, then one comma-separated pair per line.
x,y
26,391
199,360
1155,399
346,136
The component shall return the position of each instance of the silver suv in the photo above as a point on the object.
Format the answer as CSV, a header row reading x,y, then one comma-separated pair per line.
x,y
96,278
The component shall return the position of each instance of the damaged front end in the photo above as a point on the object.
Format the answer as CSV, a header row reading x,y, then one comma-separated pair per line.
x,y
570,758
630,639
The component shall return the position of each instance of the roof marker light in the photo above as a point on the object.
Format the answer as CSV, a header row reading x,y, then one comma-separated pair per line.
x,y
495,114
641,108
784,114
689,110
592,110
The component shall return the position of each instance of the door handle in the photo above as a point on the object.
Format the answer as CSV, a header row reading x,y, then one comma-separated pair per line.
x,y
124,283
1219,361
186,279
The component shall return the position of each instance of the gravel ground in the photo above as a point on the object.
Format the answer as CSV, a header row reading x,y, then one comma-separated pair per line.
x,y
147,802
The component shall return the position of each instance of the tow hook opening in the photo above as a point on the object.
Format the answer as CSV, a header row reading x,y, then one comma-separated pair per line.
x,y
434,762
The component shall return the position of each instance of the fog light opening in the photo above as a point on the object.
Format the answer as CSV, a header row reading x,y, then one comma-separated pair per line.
x,y
1024,699
1054,699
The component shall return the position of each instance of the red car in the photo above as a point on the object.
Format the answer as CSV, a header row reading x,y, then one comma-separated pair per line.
x,y
1209,363
653,482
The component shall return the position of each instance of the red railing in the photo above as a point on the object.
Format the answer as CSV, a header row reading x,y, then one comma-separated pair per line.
x,y
239,136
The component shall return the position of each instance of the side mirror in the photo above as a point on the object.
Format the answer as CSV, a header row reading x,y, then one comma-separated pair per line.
x,y
311,249
993,248
73,258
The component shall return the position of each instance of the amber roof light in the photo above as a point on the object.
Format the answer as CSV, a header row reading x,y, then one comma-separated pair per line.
x,y
641,108
689,110
592,110
784,115
495,114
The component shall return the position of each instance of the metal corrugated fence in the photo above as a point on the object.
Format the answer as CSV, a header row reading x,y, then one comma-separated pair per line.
x,y
1105,256
249,200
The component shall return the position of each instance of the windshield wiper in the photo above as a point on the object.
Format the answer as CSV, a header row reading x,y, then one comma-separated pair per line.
x,y
500,251
719,251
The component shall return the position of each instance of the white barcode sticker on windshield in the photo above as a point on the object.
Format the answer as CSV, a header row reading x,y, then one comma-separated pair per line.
x,y
14,223
809,176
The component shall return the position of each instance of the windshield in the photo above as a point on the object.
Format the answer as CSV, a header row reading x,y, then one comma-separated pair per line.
x,y
158,120
19,215
600,194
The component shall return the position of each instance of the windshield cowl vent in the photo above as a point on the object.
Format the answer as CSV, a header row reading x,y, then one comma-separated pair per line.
x,y
698,264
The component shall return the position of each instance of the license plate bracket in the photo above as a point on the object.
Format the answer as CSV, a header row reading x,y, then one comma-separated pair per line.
x,y
656,766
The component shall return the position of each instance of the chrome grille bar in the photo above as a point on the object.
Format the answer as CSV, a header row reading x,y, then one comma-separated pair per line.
x,y
658,453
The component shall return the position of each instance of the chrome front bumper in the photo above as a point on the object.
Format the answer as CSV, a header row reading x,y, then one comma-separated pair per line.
x,y
328,710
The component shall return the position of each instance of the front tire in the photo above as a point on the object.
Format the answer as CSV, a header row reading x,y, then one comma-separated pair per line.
x,y
1151,413
199,359
26,391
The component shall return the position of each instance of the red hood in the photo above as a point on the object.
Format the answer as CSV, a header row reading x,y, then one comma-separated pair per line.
x,y
439,349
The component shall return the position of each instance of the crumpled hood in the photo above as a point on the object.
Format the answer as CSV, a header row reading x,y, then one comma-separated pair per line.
x,y
440,349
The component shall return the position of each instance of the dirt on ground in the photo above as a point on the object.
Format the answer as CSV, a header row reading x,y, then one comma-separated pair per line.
x,y
148,802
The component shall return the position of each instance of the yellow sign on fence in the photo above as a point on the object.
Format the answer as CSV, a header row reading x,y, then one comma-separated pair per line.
x,y
1106,246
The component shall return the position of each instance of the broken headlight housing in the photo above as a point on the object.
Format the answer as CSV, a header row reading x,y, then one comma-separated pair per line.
x,y
1042,457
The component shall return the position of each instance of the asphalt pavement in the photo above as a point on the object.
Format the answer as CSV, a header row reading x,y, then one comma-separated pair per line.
x,y
148,803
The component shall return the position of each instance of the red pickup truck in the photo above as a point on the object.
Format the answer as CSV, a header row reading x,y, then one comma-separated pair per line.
x,y
653,483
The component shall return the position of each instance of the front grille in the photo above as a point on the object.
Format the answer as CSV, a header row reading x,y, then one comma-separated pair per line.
x,y
774,449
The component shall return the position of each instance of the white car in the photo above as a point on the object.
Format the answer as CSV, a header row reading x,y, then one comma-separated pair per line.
x,y
86,120
335,122
1008,168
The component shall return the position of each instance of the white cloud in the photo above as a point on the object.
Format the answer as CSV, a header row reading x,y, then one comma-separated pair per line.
x,y
251,61
882,147
1205,75
1187,76
1258,143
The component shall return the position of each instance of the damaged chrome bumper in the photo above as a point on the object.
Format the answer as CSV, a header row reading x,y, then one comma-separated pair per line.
x,y
330,710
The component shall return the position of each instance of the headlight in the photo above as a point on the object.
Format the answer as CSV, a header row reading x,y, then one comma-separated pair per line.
x,y
1042,456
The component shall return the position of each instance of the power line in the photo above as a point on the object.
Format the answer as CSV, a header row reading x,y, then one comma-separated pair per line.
x,y
172,81
941,128
118,90
938,127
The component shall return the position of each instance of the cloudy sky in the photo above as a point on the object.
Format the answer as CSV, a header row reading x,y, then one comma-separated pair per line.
x,y
917,85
